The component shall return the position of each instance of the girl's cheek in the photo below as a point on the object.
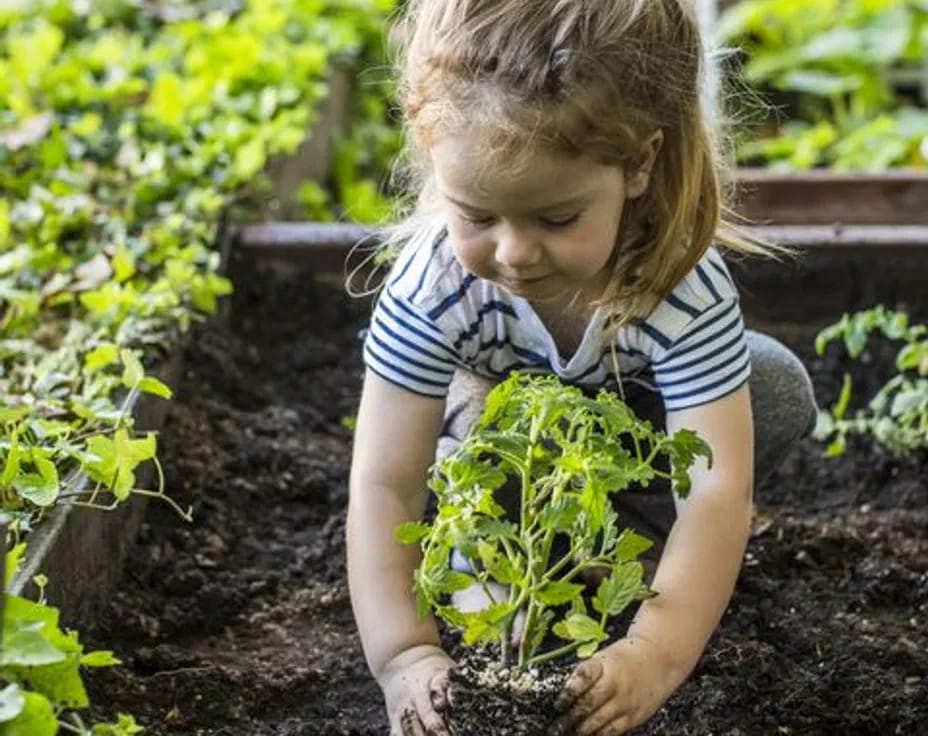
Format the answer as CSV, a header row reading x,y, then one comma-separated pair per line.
x,y
474,254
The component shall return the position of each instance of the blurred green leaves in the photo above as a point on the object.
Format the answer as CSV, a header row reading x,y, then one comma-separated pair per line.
x,y
126,129
852,69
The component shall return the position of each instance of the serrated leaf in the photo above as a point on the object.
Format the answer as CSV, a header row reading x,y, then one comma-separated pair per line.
x,y
411,532
631,545
619,589
559,592
577,627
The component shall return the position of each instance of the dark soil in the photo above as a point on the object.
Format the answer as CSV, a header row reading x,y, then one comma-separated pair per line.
x,y
240,622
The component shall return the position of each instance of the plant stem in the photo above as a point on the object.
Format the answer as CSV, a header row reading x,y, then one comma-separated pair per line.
x,y
554,653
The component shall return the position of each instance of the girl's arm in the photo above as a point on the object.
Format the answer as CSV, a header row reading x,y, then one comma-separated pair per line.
x,y
394,445
705,548
628,681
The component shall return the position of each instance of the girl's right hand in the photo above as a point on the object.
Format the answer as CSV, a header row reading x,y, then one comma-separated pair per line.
x,y
415,687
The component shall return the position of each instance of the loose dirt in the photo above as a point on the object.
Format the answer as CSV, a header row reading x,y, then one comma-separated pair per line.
x,y
240,623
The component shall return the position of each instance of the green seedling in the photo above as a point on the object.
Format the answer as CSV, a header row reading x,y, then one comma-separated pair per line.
x,y
568,454
897,415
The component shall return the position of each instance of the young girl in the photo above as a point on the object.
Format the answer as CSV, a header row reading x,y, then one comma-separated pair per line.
x,y
567,214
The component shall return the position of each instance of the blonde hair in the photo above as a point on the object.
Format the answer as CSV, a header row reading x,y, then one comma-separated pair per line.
x,y
593,77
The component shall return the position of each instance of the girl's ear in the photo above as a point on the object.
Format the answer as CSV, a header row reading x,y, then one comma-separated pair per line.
x,y
637,179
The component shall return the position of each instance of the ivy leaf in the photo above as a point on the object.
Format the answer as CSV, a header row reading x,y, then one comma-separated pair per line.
x,y
37,717
24,644
117,458
12,702
133,372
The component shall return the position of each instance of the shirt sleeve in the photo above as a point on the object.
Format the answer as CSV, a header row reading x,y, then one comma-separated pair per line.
x,y
405,347
706,361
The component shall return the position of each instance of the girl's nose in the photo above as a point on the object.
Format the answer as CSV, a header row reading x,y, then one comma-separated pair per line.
x,y
517,248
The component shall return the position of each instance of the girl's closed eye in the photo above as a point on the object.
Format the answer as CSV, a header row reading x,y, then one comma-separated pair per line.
x,y
553,223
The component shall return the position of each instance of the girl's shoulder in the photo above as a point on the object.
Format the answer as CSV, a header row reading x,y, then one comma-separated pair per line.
x,y
706,291
424,265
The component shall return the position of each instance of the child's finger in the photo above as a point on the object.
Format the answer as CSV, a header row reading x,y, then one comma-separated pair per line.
x,y
439,691
583,678
410,725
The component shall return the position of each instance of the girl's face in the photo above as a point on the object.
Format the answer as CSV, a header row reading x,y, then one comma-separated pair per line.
x,y
544,230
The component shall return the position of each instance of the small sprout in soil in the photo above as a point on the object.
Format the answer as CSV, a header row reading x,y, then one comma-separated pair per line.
x,y
567,453
897,415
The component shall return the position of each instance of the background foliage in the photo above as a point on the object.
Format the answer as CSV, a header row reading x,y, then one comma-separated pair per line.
x,y
126,131
850,77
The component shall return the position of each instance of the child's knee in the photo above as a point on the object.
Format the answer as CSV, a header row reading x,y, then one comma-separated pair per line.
x,y
782,399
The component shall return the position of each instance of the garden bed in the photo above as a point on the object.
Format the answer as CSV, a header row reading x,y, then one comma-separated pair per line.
x,y
240,622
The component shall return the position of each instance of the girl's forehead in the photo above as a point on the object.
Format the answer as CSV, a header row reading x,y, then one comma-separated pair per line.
x,y
470,166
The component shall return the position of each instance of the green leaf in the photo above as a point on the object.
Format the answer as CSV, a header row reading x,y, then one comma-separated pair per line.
x,y
630,545
100,357
165,101
100,658
12,702
411,532
577,627
37,718
837,447
559,592
133,372
25,645
844,398
124,726
13,461
617,591
116,459
151,385
12,563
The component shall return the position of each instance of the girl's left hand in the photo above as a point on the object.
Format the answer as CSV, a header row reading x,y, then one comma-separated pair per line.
x,y
617,689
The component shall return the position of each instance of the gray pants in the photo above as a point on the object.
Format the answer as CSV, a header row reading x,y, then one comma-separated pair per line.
x,y
781,399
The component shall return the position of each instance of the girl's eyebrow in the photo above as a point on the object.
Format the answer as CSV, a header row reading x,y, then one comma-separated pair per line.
x,y
563,203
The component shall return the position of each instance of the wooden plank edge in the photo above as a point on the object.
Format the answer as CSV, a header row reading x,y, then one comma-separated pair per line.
x,y
330,243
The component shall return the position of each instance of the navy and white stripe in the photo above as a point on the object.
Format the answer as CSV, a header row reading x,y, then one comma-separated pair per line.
x,y
432,317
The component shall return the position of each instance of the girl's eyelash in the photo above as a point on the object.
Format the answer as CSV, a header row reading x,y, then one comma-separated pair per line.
x,y
545,221
560,222
471,220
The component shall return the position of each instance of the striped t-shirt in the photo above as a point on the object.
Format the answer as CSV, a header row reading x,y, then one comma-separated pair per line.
x,y
432,317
